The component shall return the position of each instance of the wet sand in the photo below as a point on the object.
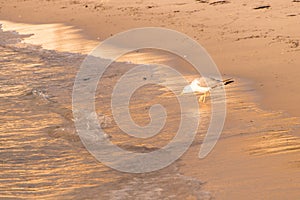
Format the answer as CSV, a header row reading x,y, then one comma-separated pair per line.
x,y
269,35
258,155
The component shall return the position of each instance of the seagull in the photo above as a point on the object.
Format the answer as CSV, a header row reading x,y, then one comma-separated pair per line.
x,y
200,86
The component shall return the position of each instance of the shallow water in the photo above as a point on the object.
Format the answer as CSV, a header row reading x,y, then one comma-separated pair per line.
x,y
42,156
59,37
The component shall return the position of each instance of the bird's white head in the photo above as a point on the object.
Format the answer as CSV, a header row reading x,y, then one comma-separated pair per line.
x,y
187,89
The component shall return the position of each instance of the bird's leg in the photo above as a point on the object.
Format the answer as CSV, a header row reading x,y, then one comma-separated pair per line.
x,y
204,97
200,99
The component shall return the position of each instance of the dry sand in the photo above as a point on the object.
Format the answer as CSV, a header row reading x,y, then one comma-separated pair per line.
x,y
260,45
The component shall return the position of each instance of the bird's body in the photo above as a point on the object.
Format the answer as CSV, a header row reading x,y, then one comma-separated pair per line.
x,y
204,85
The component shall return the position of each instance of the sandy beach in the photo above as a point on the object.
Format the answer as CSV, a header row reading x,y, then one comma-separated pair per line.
x,y
256,43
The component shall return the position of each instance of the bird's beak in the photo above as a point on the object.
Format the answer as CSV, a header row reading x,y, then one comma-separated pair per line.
x,y
181,94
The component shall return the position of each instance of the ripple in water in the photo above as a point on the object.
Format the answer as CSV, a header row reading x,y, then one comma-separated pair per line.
x,y
41,153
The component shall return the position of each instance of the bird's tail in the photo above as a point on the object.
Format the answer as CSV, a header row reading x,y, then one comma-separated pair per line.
x,y
228,81
223,82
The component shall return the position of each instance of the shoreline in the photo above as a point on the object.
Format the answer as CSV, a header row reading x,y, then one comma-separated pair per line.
x,y
220,45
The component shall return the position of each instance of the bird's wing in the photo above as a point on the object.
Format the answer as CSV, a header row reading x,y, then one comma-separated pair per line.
x,y
207,82
211,82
